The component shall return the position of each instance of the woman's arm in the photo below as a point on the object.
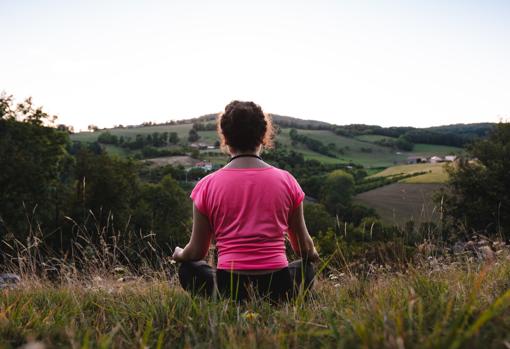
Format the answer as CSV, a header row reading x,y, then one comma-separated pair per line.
x,y
198,245
300,239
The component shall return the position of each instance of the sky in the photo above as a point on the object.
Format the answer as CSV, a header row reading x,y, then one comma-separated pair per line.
x,y
388,63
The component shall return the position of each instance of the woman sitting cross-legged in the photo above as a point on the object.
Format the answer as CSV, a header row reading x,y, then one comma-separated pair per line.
x,y
247,206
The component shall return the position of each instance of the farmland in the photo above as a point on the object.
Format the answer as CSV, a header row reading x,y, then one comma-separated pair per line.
x,y
398,203
393,203
435,173
358,150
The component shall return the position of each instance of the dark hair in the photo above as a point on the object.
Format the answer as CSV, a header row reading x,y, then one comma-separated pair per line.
x,y
244,126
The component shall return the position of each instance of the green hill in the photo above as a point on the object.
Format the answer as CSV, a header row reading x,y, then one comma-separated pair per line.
x,y
358,144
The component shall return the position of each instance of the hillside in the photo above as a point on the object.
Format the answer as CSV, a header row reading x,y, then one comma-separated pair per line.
x,y
367,145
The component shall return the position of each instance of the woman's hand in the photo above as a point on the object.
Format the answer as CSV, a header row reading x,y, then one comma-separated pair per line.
x,y
310,252
198,245
314,255
177,255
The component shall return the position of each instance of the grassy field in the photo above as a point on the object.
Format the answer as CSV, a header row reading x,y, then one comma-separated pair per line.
x,y
373,138
182,131
436,173
433,149
118,151
398,203
351,147
435,305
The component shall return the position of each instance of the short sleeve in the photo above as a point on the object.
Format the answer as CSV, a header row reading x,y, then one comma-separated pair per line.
x,y
297,194
199,196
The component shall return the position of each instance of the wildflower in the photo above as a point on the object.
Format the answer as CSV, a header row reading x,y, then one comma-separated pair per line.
x,y
250,315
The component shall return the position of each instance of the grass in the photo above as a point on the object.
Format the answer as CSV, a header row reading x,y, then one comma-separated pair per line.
x,y
430,299
439,306
351,147
373,138
436,173
118,151
181,129
433,149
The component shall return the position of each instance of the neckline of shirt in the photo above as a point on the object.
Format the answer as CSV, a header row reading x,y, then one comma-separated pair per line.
x,y
246,168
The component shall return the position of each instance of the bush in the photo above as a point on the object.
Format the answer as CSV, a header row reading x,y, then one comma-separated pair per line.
x,y
478,195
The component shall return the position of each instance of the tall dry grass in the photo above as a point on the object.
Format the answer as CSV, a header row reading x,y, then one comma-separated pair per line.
x,y
106,293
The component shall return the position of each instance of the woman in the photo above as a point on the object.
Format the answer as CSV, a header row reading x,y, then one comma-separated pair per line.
x,y
248,206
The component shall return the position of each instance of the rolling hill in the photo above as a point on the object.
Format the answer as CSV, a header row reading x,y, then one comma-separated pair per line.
x,y
358,144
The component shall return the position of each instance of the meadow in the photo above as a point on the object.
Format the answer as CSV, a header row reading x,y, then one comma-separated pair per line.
x,y
437,301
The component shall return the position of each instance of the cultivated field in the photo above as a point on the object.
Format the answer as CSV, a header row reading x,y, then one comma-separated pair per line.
x,y
435,173
398,203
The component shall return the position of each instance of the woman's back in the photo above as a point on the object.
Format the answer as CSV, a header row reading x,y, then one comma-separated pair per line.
x,y
247,206
248,211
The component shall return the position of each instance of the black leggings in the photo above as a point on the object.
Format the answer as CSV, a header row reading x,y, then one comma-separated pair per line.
x,y
198,278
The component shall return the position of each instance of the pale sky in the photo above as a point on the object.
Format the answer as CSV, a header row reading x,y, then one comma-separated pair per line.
x,y
417,63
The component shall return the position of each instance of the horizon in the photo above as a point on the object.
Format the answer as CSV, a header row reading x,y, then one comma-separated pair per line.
x,y
376,63
164,123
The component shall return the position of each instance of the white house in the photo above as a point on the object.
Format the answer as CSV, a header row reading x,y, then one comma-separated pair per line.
x,y
204,165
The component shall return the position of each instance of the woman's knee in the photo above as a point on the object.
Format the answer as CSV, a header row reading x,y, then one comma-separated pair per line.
x,y
302,271
196,277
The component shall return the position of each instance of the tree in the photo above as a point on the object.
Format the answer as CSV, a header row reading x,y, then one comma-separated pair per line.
x,y
173,138
403,143
107,138
164,210
337,192
479,189
193,135
104,186
33,165
62,127
318,219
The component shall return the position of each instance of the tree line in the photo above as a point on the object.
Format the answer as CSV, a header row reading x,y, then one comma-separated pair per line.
x,y
312,144
155,139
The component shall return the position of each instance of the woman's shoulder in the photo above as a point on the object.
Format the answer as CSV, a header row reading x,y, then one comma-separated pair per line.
x,y
285,174
204,180
272,170
223,174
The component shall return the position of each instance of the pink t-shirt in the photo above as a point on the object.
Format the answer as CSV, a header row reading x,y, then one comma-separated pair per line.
x,y
248,209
